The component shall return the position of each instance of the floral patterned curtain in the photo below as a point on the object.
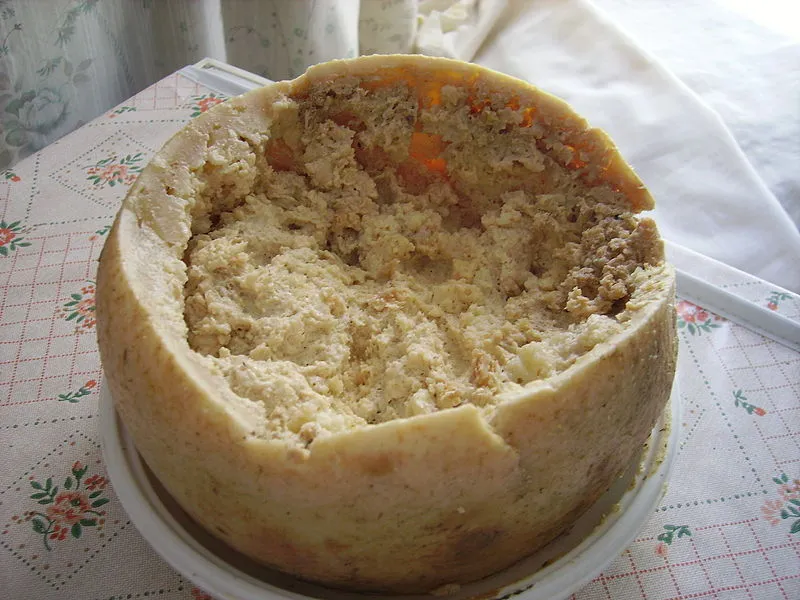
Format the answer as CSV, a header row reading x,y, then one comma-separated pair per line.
x,y
63,62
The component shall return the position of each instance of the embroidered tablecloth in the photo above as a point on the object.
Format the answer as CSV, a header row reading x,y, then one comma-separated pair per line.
x,y
728,527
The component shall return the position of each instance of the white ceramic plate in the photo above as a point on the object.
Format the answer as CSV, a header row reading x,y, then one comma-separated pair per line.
x,y
553,573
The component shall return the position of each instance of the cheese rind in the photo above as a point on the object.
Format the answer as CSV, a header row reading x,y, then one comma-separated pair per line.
x,y
389,326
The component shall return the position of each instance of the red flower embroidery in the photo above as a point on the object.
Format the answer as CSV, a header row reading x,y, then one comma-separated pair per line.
x,y
59,533
81,307
204,103
775,298
112,171
96,482
68,508
686,311
6,235
739,399
661,549
100,233
771,511
694,318
790,491
207,103
82,391
10,238
85,307
787,507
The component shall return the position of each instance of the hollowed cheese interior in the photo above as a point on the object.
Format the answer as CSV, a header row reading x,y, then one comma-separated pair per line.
x,y
394,249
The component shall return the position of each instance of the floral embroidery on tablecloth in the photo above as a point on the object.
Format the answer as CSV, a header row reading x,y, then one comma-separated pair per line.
x,y
80,308
786,506
9,175
739,399
775,298
11,237
205,102
669,535
121,111
114,170
696,319
84,390
69,508
100,233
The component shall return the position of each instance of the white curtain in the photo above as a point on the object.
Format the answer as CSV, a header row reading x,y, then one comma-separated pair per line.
x,y
63,62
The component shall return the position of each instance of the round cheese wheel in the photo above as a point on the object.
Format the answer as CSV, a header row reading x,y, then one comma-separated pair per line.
x,y
390,326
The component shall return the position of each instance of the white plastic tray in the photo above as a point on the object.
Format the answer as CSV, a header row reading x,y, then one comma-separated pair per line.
x,y
572,560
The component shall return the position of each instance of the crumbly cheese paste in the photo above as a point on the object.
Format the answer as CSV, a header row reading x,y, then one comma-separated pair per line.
x,y
378,258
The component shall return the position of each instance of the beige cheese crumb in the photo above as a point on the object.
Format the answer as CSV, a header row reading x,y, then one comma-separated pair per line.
x,y
340,282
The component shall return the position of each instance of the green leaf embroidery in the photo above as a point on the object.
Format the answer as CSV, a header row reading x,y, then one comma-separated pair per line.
x,y
674,530
38,526
68,483
100,502
35,485
76,530
88,522
795,527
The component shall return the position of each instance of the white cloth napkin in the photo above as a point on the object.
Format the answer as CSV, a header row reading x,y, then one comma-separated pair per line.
x,y
709,197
